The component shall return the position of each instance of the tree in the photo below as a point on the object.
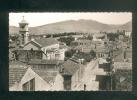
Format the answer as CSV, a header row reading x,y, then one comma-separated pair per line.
x,y
86,56
66,40
69,53
112,36
90,37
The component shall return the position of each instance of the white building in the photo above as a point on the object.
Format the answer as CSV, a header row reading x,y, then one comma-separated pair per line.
x,y
127,33
49,46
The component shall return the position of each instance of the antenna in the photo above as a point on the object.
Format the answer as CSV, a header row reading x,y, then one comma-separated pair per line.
x,y
23,17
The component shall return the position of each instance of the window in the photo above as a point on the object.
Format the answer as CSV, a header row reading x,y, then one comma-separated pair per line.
x,y
57,56
32,85
29,86
26,86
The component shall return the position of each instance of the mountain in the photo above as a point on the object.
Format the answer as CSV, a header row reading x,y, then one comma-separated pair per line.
x,y
13,29
86,26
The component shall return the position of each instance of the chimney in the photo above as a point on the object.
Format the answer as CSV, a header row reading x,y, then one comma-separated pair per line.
x,y
51,35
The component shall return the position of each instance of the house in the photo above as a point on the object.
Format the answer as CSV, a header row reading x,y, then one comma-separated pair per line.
x,y
85,49
83,45
127,33
123,55
90,76
49,46
103,52
105,65
95,77
38,80
96,37
123,76
55,54
41,80
36,75
83,42
71,72
77,36
122,65
41,44
16,72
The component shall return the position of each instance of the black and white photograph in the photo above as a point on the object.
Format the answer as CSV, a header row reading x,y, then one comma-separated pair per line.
x,y
70,51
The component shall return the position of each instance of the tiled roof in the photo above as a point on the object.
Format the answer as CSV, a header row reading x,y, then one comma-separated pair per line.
x,y
102,49
99,35
122,65
42,61
17,64
85,47
70,67
96,42
34,43
46,41
52,50
48,76
63,47
16,72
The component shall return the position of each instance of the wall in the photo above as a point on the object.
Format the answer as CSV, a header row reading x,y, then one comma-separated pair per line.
x,y
76,79
62,54
25,55
49,47
87,75
40,84
58,84
27,37
51,55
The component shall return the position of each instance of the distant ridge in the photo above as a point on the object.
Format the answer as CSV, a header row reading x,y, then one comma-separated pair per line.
x,y
82,25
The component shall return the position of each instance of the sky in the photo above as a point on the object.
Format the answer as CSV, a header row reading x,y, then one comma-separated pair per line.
x,y
37,19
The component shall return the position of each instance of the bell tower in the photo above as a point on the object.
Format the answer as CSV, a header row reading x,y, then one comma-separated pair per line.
x,y
24,32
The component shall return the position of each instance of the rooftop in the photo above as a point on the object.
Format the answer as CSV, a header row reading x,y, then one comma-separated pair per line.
x,y
70,67
48,76
102,49
42,61
16,73
82,41
53,50
16,64
46,41
122,65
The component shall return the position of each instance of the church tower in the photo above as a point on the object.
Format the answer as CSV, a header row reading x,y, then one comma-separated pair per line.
x,y
24,32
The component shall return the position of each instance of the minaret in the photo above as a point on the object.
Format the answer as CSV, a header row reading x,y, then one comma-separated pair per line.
x,y
24,32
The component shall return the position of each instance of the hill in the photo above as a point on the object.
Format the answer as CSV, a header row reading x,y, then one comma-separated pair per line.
x,y
86,26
